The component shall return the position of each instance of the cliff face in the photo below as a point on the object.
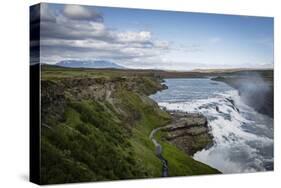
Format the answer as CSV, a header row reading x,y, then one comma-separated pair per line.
x,y
256,90
189,132
97,128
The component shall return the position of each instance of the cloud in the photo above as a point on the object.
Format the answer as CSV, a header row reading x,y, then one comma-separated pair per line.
x,y
79,32
143,36
46,15
78,12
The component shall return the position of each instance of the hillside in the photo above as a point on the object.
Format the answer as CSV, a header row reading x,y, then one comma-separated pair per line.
x,y
96,126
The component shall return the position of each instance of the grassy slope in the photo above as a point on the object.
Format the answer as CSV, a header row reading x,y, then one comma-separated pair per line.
x,y
94,141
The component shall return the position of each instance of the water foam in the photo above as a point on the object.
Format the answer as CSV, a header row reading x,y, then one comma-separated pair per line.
x,y
238,147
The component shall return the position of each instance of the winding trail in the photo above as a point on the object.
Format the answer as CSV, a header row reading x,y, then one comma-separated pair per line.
x,y
158,151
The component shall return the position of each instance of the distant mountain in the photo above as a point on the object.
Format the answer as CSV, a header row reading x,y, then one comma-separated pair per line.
x,y
89,64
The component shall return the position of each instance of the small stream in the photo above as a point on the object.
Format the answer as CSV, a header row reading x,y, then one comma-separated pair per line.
x,y
158,151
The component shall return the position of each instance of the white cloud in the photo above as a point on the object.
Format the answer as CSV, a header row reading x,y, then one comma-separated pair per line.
x,y
80,12
76,11
162,44
75,33
142,36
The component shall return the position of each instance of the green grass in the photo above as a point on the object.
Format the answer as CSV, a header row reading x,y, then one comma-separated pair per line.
x,y
147,118
181,164
91,140
56,73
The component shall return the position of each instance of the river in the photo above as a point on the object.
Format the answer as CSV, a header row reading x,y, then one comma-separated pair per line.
x,y
243,138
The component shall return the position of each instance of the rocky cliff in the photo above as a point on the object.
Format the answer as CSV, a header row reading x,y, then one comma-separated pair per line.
x,y
189,132
256,90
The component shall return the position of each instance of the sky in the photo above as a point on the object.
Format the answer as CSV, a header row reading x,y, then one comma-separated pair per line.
x,y
154,39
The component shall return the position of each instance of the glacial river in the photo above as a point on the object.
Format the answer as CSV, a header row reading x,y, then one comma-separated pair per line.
x,y
243,138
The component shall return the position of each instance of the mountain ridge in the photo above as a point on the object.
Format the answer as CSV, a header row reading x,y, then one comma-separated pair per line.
x,y
89,64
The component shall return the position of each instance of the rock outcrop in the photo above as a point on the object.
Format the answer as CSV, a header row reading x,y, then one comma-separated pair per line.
x,y
189,132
